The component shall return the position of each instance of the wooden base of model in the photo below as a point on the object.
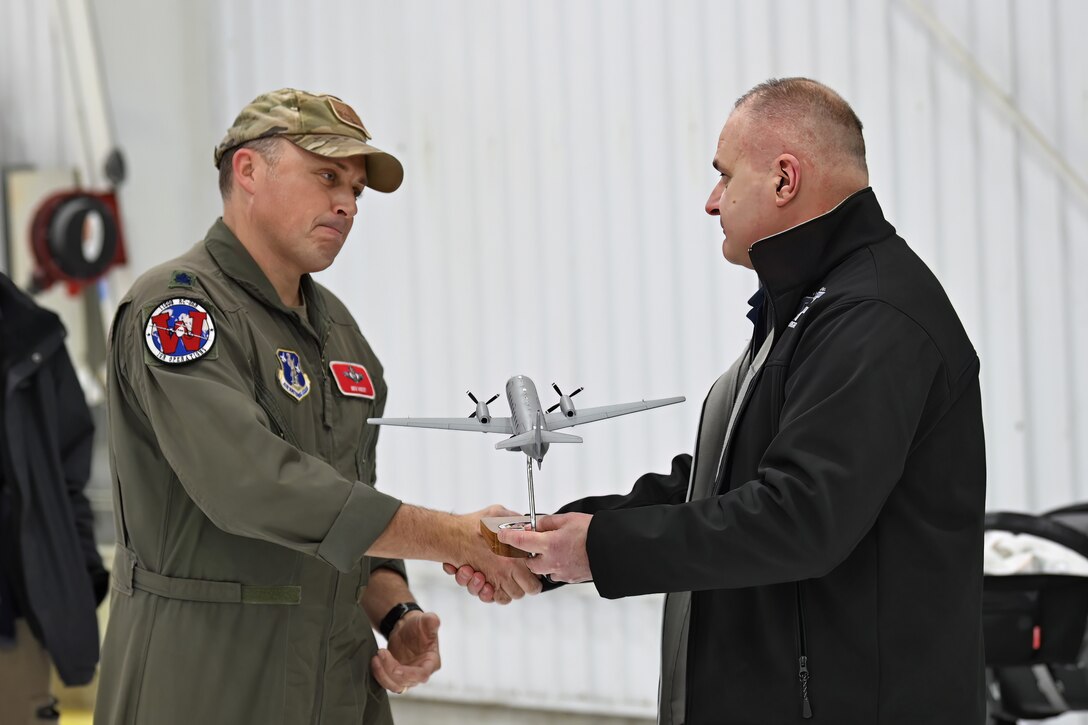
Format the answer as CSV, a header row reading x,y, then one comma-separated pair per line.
x,y
490,527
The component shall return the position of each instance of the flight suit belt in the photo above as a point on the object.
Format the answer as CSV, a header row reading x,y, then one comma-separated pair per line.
x,y
205,590
129,575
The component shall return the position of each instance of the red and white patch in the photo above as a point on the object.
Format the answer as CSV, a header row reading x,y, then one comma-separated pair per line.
x,y
352,379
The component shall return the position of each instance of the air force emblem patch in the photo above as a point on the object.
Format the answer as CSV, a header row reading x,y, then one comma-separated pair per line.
x,y
352,379
179,331
292,378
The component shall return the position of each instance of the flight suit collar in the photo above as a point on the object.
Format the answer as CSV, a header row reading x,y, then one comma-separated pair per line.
x,y
236,262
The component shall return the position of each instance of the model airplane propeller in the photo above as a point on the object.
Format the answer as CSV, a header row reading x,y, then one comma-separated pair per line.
x,y
564,401
531,429
481,414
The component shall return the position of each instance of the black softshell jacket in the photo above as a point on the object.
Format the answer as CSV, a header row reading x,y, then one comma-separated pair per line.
x,y
844,545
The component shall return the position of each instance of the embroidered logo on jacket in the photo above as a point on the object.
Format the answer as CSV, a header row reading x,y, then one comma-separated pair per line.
x,y
805,304
352,379
179,331
292,378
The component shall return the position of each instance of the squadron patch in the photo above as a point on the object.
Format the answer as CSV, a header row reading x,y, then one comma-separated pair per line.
x,y
292,378
352,379
179,331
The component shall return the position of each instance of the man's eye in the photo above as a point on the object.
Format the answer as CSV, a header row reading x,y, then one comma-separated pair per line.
x,y
358,193
328,176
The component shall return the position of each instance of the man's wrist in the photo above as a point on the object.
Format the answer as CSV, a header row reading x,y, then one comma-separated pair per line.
x,y
394,615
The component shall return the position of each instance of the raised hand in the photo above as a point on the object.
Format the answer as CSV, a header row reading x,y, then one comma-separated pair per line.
x,y
412,655
559,546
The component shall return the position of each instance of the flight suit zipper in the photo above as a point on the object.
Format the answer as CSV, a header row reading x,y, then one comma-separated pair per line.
x,y
802,659
278,421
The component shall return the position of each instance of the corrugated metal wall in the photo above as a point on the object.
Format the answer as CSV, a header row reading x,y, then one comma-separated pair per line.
x,y
558,157
33,128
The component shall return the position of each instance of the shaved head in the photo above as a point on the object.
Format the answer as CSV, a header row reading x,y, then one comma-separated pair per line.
x,y
805,117
790,151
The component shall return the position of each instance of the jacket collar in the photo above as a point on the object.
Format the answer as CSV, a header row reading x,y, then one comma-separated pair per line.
x,y
791,263
31,333
236,262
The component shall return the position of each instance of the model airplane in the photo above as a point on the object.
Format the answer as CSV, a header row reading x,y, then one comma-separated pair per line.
x,y
532,429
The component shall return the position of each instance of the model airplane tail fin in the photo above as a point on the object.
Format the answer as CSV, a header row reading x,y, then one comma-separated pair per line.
x,y
530,437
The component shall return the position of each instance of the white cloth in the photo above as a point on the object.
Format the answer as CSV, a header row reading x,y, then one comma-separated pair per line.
x,y
1005,553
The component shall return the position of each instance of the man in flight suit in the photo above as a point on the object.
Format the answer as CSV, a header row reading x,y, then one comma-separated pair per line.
x,y
254,553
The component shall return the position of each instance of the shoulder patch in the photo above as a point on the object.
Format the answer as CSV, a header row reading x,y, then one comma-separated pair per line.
x,y
179,330
181,278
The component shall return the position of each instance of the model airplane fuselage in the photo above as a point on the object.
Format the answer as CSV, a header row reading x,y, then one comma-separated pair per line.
x,y
532,429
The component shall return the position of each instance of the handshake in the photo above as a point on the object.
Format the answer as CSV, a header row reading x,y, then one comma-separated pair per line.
x,y
557,549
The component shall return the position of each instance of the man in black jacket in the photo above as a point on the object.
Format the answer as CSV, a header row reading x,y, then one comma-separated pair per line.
x,y
823,546
51,576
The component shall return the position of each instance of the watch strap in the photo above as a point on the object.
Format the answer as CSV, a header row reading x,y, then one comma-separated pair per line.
x,y
394,615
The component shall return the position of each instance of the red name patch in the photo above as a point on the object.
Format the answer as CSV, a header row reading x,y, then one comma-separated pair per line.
x,y
352,379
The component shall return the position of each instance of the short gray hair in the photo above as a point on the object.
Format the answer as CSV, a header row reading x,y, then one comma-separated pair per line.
x,y
269,148
803,100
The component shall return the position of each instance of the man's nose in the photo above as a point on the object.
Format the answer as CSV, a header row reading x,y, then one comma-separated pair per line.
x,y
712,202
346,205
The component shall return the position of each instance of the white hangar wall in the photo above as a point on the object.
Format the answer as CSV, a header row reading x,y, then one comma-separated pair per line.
x,y
557,159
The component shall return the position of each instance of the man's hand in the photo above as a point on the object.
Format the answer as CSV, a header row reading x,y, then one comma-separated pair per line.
x,y
559,545
474,581
412,656
418,533
488,576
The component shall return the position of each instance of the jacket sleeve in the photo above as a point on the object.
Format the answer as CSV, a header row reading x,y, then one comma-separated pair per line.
x,y
229,458
854,395
649,489
75,437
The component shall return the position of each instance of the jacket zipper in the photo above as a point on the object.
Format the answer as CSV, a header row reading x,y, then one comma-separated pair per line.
x,y
802,660
802,643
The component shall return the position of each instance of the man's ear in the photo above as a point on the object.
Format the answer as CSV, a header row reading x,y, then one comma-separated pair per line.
x,y
788,173
244,166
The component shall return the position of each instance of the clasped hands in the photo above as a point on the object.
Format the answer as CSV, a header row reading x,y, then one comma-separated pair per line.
x,y
558,549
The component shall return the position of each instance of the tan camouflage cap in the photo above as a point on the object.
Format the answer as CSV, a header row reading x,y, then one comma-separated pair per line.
x,y
324,125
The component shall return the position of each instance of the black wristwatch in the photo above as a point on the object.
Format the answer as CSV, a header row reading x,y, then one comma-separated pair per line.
x,y
393,616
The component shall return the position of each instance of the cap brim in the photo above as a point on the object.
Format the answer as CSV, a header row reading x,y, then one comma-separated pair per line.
x,y
383,171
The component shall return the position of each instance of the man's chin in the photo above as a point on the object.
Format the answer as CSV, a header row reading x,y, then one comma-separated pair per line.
x,y
320,265
321,259
734,254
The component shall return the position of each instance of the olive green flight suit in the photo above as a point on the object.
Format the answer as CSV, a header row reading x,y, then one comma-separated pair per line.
x,y
243,491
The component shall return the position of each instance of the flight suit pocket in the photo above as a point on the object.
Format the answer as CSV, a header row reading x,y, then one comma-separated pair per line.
x,y
368,691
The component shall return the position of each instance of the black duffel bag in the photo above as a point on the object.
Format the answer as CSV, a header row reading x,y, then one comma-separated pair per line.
x,y
1034,625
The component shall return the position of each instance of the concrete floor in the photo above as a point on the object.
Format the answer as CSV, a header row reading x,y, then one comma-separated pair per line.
x,y
425,712
413,711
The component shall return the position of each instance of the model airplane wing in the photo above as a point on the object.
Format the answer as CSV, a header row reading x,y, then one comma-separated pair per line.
x,y
555,421
495,425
